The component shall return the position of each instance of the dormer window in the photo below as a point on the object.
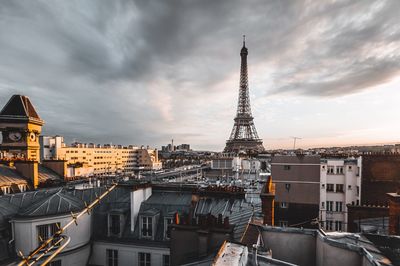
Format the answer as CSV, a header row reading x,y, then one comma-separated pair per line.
x,y
167,222
147,226
115,222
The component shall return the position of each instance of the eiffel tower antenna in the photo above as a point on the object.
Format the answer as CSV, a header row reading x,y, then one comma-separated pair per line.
x,y
244,137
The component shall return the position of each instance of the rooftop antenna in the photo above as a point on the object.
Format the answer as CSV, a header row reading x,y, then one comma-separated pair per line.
x,y
294,142
244,40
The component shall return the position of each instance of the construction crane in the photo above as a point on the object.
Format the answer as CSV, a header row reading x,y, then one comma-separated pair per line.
x,y
55,240
294,142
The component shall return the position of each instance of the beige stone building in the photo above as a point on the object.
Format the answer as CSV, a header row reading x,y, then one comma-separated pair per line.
x,y
85,160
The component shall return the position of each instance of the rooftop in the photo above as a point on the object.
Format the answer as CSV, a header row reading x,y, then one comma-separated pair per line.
x,y
19,107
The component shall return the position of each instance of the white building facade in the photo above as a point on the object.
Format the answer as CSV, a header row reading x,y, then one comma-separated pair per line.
x,y
88,159
340,184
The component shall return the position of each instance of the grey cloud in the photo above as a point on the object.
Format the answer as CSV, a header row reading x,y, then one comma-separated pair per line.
x,y
93,68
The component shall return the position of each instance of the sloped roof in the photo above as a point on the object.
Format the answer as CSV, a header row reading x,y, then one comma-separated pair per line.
x,y
239,211
45,174
8,176
166,203
57,203
6,211
19,106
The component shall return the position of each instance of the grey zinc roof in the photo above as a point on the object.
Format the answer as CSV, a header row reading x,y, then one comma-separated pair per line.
x,y
239,211
57,203
88,195
167,203
169,198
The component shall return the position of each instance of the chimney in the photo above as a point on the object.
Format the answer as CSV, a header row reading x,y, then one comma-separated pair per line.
x,y
139,194
394,213
29,170
267,202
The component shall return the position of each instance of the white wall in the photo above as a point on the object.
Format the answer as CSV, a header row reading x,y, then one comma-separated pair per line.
x,y
137,197
127,254
349,195
330,255
297,248
25,232
79,257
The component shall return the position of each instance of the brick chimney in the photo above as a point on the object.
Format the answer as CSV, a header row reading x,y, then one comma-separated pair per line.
x,y
394,213
267,202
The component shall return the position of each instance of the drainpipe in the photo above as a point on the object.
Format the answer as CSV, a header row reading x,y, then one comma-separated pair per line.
x,y
12,233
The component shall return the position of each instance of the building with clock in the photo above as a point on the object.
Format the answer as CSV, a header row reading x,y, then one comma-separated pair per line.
x,y
20,126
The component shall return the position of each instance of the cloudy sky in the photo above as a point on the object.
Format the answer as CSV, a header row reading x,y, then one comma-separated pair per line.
x,y
143,72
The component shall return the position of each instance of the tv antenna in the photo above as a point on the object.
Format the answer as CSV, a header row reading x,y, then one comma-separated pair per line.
x,y
294,142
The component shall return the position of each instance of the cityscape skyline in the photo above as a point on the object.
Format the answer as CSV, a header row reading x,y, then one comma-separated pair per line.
x,y
109,73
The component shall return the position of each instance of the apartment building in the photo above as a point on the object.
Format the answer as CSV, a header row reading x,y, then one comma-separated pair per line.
x,y
297,181
340,185
95,160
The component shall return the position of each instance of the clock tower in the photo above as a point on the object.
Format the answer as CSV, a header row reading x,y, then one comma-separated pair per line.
x,y
20,126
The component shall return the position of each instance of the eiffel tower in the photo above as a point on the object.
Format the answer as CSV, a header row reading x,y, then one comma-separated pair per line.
x,y
244,137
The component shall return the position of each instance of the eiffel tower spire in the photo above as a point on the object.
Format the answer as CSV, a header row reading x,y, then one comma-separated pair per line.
x,y
244,135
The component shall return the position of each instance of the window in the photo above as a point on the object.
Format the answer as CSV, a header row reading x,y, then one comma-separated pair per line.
x,y
330,169
338,226
349,187
115,224
55,263
339,188
339,170
283,223
147,226
144,259
329,225
329,187
283,205
358,191
45,231
112,257
329,205
167,232
286,167
339,206
6,190
322,205
166,261
350,168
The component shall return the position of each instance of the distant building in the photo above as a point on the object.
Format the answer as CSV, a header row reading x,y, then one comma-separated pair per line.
x,y
340,185
183,147
49,146
297,186
230,166
85,160
179,148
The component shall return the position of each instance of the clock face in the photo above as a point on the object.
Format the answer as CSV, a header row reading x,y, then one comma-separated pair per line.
x,y
15,136
32,136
